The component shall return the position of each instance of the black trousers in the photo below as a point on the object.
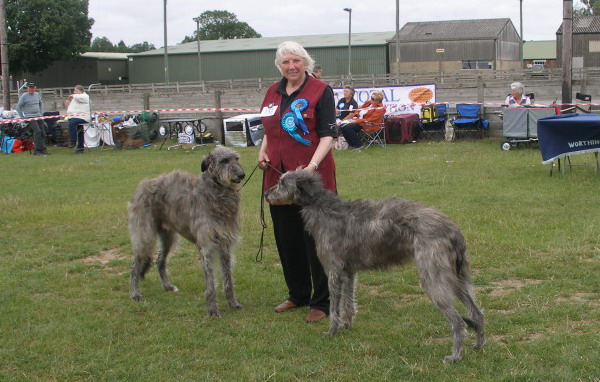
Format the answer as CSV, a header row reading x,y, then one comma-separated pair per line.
x,y
305,278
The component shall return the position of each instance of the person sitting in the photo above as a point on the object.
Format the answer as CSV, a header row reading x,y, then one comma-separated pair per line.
x,y
346,104
517,96
317,72
370,114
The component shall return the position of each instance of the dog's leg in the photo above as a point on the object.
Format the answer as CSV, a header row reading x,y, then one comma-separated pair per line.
x,y
335,289
139,268
348,303
227,269
142,246
209,279
166,239
477,321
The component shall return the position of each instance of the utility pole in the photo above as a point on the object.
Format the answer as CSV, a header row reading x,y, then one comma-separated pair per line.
x,y
398,39
521,35
165,42
567,52
4,57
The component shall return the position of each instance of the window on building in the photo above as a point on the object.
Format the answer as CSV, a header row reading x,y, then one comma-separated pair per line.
x,y
594,46
476,64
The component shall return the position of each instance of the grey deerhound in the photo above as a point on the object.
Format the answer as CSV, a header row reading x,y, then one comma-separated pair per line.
x,y
362,234
203,208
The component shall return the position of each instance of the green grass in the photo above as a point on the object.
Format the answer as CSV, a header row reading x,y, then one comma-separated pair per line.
x,y
65,314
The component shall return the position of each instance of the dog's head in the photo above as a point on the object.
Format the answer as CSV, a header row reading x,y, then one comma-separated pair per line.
x,y
295,187
223,165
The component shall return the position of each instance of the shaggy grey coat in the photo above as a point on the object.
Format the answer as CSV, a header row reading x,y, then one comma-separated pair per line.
x,y
203,208
362,234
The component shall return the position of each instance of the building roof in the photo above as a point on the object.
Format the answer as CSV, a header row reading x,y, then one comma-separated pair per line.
x,y
539,50
584,24
271,43
453,30
105,55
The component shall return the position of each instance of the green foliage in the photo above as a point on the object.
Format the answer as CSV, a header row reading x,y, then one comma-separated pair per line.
x,y
221,25
66,314
103,44
43,31
588,8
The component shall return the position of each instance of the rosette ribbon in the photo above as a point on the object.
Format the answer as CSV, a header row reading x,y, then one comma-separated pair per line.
x,y
298,106
289,125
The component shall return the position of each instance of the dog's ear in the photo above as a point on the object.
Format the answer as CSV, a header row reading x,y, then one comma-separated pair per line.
x,y
206,162
309,185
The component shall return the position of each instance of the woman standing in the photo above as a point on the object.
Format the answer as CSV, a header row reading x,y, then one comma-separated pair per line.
x,y
298,116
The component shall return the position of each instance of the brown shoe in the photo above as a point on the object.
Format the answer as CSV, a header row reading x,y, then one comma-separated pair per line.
x,y
285,306
315,315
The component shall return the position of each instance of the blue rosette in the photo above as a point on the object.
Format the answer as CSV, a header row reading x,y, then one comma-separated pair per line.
x,y
289,125
298,106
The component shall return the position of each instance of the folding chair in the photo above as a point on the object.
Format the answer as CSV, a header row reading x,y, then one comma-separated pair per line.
x,y
434,124
374,133
468,120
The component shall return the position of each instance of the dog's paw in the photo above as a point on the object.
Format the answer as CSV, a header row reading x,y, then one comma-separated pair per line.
x,y
214,313
236,306
171,288
478,346
137,297
451,359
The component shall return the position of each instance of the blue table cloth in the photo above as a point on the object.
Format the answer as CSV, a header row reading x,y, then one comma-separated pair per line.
x,y
568,134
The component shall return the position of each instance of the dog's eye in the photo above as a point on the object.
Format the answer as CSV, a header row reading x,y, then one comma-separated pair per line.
x,y
224,161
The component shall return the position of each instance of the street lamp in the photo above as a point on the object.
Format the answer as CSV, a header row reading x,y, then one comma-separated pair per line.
x,y
197,20
349,10
166,54
521,34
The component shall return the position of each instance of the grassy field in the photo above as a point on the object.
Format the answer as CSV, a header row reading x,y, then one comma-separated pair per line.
x,y
65,314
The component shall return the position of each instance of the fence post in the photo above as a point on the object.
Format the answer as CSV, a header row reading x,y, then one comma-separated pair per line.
x,y
219,115
146,100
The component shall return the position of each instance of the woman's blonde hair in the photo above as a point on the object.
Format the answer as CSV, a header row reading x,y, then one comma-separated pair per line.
x,y
292,47
378,95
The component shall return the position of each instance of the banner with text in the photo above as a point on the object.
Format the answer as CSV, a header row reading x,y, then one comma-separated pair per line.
x,y
398,99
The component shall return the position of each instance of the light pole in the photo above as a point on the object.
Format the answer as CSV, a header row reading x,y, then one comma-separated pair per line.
x,y
398,39
521,33
165,42
349,10
197,20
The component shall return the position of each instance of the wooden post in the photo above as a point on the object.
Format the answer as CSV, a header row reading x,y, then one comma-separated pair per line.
x,y
146,100
567,52
4,57
219,115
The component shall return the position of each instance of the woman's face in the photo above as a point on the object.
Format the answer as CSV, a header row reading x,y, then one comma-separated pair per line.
x,y
347,93
516,94
292,67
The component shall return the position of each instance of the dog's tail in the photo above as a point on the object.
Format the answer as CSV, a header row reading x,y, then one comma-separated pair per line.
x,y
463,267
471,324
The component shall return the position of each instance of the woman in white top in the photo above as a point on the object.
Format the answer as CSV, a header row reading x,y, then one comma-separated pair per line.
x,y
517,98
78,105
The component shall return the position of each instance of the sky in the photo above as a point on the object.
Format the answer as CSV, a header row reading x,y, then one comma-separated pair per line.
x,y
136,21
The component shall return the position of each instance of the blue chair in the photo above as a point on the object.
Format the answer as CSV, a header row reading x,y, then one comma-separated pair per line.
x,y
469,121
436,128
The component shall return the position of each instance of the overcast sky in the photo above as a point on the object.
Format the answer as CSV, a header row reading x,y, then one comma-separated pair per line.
x,y
136,21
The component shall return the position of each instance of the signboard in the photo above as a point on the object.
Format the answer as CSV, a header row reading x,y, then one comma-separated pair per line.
x,y
398,99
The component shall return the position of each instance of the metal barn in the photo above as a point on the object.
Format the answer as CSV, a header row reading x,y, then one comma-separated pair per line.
x,y
88,68
586,42
456,45
254,58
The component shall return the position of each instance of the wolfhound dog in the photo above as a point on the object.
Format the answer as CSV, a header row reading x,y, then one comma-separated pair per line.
x,y
354,235
203,208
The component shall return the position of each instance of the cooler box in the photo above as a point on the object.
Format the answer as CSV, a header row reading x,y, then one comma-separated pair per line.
x,y
401,128
244,130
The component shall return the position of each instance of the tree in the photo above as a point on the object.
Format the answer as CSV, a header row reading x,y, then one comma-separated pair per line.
x,y
221,25
590,7
102,44
142,47
43,31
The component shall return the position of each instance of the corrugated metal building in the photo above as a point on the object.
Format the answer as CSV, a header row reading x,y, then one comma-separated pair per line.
x,y
89,68
254,57
586,42
454,45
540,53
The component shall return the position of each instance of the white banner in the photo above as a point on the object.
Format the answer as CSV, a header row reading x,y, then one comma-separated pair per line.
x,y
398,99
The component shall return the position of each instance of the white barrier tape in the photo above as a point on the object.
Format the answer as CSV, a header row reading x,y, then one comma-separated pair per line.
x,y
62,116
